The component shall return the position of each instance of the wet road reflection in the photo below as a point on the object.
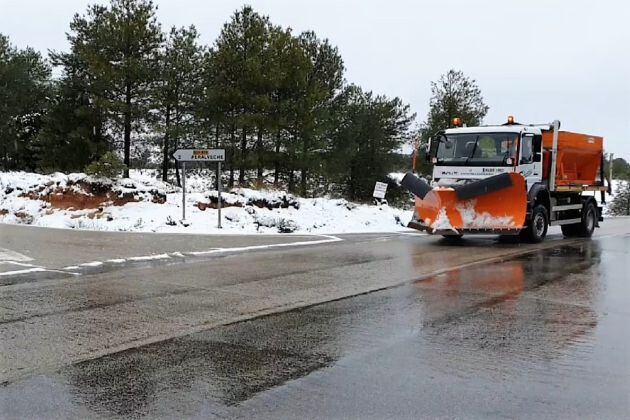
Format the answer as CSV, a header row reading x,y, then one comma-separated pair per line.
x,y
545,332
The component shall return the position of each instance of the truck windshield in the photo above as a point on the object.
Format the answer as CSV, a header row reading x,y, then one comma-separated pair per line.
x,y
480,148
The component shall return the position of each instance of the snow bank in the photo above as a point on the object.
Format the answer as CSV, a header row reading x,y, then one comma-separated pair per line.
x,y
142,203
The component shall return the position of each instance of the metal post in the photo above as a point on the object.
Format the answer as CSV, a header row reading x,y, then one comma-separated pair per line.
x,y
610,165
554,156
219,193
183,191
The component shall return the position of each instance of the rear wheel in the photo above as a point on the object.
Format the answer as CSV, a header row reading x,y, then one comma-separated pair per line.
x,y
586,227
589,220
536,230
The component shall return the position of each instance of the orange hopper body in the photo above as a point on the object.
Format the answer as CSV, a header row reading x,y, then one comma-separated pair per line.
x,y
578,160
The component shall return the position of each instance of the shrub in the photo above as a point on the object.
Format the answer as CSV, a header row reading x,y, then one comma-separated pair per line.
x,y
620,205
286,226
108,166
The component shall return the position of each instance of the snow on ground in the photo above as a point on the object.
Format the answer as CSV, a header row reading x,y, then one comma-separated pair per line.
x,y
150,205
247,211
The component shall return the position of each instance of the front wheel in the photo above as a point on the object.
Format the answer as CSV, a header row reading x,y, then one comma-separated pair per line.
x,y
536,230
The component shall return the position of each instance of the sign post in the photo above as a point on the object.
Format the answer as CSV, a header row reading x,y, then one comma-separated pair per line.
x,y
184,191
219,192
200,155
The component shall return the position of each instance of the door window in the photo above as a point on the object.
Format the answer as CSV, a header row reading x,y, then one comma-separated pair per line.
x,y
527,154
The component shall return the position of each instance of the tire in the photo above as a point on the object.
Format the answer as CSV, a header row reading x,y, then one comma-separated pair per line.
x,y
585,228
589,220
537,228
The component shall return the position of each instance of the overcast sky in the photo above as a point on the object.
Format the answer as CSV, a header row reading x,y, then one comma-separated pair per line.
x,y
537,60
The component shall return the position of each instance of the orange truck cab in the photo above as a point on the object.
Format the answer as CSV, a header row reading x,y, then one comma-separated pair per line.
x,y
510,179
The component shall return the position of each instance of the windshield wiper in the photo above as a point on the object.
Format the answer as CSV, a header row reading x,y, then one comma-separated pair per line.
x,y
473,150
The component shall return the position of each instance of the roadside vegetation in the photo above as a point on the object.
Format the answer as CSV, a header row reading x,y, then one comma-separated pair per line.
x,y
275,99
620,204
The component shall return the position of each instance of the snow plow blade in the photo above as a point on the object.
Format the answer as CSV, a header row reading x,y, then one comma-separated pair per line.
x,y
494,205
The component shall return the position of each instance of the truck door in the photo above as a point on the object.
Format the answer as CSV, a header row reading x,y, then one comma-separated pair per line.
x,y
530,159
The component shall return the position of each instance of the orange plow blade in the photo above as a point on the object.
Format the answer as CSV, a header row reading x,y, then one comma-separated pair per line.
x,y
443,211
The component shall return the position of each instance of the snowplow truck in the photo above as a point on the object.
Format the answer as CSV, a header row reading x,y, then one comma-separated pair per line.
x,y
512,179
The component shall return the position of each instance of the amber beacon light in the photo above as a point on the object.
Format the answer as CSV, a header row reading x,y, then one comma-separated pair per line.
x,y
457,122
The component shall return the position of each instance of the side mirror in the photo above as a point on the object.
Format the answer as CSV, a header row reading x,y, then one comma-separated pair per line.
x,y
430,149
537,157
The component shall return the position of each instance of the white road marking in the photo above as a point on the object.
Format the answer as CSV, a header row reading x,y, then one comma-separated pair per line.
x,y
150,257
177,254
92,264
25,271
8,255
21,264
256,247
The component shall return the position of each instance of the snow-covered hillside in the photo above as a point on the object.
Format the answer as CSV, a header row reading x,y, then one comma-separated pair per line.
x,y
141,203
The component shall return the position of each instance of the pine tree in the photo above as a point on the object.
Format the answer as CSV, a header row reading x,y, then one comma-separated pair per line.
x,y
118,47
319,84
454,95
370,131
24,89
239,67
72,134
621,169
179,92
290,66
620,205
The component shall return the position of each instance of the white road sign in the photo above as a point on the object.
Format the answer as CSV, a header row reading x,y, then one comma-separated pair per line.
x,y
380,188
200,155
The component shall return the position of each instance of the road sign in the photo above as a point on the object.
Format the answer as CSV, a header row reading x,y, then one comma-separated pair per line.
x,y
200,155
380,188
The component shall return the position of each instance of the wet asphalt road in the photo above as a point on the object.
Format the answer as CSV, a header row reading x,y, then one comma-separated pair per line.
x,y
545,334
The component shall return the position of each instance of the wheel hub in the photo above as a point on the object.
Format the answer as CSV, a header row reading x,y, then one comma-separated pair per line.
x,y
539,224
590,220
